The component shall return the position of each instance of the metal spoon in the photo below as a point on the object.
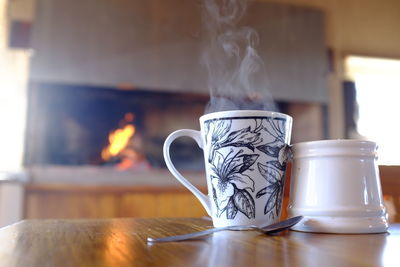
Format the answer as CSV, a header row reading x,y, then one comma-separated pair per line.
x,y
266,229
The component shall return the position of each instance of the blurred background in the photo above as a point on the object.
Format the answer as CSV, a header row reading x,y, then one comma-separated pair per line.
x,y
90,89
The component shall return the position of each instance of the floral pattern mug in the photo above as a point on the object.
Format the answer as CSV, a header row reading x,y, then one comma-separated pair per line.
x,y
245,153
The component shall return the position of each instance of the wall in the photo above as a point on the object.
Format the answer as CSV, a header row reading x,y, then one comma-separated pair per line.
x,y
159,45
367,27
361,27
22,9
13,76
353,26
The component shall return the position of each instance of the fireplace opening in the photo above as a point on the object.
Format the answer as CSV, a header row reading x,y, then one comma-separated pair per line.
x,y
121,128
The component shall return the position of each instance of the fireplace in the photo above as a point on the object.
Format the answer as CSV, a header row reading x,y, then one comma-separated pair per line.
x,y
74,125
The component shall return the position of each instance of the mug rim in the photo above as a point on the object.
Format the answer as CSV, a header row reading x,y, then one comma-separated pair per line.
x,y
244,113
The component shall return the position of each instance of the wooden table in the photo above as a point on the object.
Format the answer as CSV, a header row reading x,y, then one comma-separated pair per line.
x,y
121,242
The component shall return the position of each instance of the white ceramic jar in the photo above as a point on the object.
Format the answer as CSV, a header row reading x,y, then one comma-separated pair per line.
x,y
335,185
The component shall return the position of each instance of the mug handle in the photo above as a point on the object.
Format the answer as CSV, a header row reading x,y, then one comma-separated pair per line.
x,y
196,135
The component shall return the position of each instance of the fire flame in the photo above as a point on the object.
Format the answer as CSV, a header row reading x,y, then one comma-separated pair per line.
x,y
118,140
123,148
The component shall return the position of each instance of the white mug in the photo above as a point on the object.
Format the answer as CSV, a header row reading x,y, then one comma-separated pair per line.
x,y
245,153
335,185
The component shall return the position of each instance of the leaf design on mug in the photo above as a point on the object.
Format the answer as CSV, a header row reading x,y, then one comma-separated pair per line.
x,y
271,149
277,149
218,129
276,129
230,184
270,174
266,190
231,210
244,202
274,201
274,191
241,138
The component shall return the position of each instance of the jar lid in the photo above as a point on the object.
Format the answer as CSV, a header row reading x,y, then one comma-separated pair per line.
x,y
339,147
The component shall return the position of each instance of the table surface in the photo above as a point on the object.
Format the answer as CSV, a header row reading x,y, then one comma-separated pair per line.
x,y
122,242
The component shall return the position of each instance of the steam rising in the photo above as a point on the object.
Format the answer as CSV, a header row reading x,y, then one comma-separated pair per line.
x,y
236,73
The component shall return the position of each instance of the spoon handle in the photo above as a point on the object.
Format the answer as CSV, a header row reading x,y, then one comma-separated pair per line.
x,y
196,234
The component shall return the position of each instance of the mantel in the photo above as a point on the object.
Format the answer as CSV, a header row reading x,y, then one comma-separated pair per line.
x,y
90,175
